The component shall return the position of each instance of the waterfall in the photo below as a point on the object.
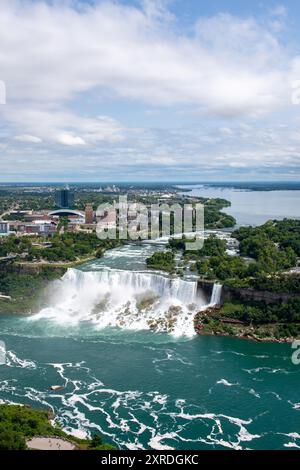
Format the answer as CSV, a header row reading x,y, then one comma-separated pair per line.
x,y
125,299
216,295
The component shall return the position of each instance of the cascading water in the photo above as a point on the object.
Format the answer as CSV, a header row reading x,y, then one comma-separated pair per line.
x,y
125,299
216,295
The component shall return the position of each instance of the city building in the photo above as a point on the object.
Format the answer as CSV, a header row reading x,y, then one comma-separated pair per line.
x,y
17,226
41,227
64,198
89,214
4,228
47,228
73,216
36,227
42,215
111,189
18,213
31,229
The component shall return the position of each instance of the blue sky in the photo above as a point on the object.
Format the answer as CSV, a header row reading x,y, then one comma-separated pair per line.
x,y
150,90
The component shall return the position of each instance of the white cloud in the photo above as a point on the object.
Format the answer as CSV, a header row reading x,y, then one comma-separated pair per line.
x,y
226,131
61,126
56,55
52,53
68,139
28,138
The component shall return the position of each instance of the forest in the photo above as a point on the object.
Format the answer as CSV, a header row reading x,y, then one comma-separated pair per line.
x,y
266,254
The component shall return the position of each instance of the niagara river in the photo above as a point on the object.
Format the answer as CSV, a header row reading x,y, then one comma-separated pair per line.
x,y
120,342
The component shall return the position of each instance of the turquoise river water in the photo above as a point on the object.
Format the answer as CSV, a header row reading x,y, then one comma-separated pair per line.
x,y
120,341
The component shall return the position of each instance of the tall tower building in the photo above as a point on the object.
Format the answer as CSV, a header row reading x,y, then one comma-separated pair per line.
x,y
89,214
64,198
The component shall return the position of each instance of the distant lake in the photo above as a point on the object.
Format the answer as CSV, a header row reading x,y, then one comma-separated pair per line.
x,y
252,207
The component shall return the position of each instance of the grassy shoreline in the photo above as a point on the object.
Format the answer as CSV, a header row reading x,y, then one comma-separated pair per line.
x,y
19,423
27,282
220,321
247,334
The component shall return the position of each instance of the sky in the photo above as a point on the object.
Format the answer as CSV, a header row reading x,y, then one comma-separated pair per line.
x,y
149,90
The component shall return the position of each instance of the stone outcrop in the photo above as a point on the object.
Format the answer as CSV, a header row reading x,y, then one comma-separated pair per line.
x,y
206,288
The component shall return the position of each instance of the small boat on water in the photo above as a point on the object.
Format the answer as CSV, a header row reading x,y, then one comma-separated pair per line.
x,y
56,387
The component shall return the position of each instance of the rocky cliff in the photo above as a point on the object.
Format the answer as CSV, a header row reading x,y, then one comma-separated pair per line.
x,y
245,294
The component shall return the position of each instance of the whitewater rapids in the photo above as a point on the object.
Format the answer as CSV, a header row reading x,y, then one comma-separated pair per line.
x,y
125,299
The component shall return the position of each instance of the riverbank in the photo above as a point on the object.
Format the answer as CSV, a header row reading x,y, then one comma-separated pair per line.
x,y
26,282
215,321
26,285
25,428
